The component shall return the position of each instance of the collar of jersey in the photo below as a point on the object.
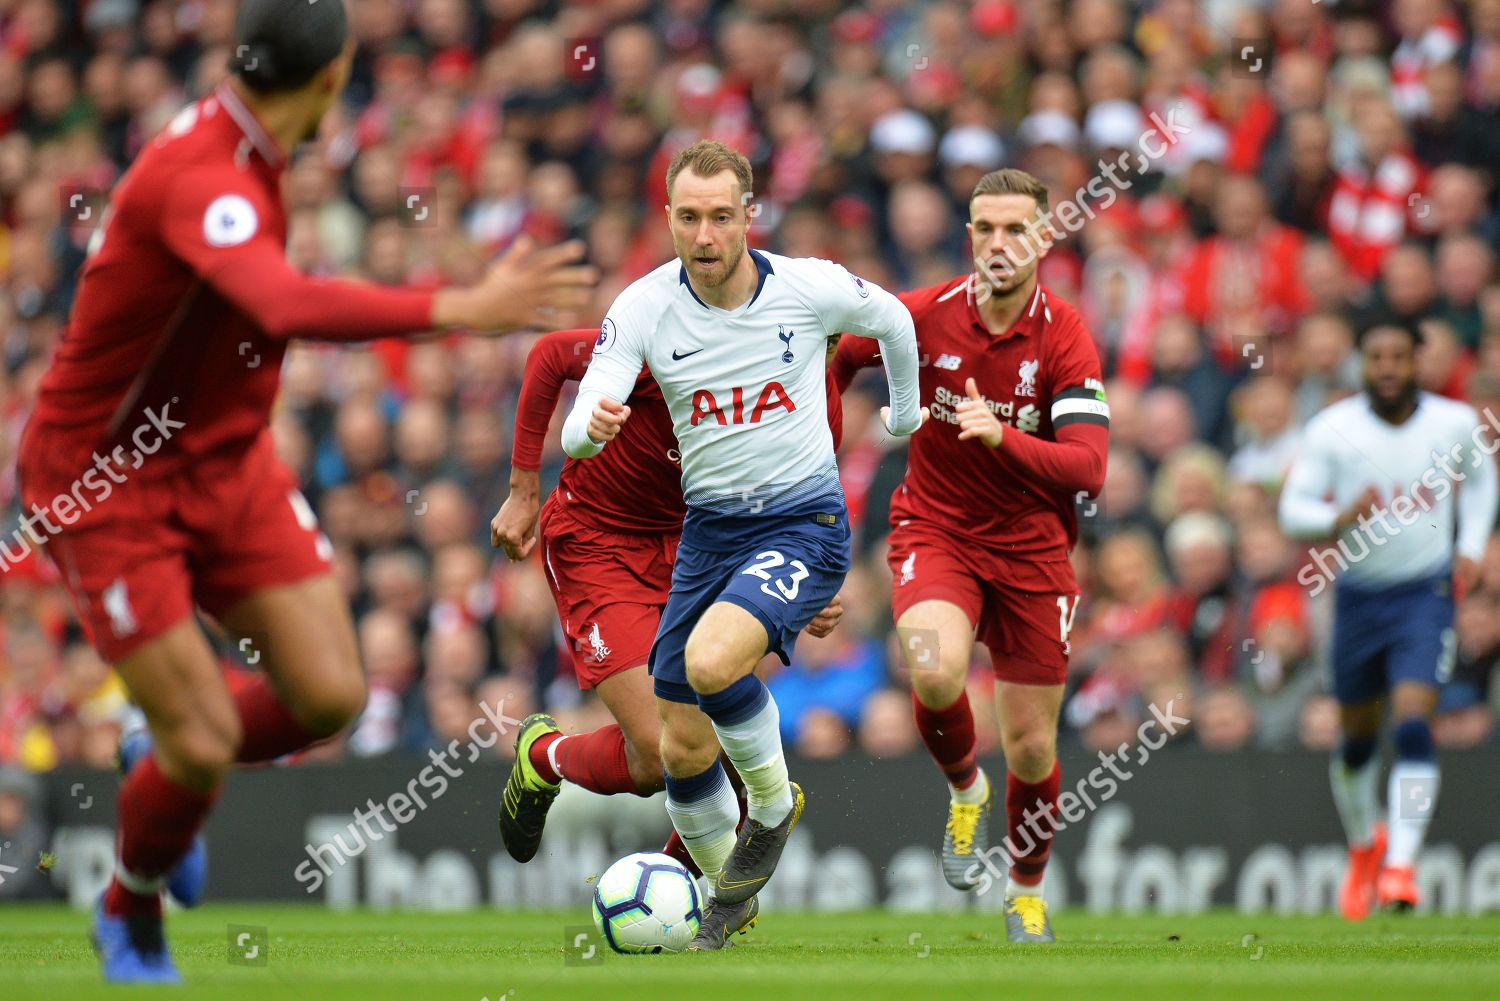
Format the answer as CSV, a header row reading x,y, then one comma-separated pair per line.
x,y
762,267
1025,323
249,124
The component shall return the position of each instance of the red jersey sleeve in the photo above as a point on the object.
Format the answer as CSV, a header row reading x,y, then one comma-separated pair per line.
x,y
1080,418
215,222
854,353
835,411
553,360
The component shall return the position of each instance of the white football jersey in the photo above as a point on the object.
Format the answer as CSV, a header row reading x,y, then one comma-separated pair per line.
x,y
747,387
1435,479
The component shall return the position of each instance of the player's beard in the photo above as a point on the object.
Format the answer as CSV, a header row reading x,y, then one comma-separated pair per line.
x,y
1001,283
1392,406
731,261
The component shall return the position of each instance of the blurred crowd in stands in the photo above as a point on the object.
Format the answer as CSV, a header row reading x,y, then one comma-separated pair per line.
x,y
1252,181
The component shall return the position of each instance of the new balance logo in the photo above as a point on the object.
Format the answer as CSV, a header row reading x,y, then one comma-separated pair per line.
x,y
597,642
948,363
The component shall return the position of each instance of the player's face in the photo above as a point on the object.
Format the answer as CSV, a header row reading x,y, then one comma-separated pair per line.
x,y
1390,368
709,224
1007,238
330,84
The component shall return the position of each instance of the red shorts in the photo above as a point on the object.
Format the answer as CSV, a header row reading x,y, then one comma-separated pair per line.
x,y
610,589
151,549
1021,611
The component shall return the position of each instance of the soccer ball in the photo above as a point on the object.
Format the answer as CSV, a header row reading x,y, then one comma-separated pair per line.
x,y
647,902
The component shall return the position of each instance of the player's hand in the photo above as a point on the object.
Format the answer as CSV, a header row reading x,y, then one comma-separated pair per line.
x,y
1363,505
976,419
526,289
1465,576
606,420
826,620
514,527
885,418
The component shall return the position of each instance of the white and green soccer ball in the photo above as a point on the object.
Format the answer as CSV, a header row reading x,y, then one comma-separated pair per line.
x,y
647,902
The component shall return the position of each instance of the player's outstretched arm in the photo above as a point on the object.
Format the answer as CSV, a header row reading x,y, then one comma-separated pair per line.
x,y
217,232
527,288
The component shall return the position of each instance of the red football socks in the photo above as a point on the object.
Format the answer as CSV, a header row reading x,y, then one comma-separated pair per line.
x,y
269,729
949,736
1030,840
157,822
596,761
679,851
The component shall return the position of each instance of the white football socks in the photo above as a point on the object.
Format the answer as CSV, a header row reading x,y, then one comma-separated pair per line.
x,y
972,794
1354,795
1411,796
754,745
706,825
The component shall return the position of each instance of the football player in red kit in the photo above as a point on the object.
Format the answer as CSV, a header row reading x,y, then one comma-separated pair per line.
x,y
609,538
149,463
982,527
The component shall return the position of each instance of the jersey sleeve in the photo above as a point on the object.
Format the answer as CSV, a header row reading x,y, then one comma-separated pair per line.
x,y
1076,459
848,303
1478,497
552,361
619,355
854,353
214,221
1305,512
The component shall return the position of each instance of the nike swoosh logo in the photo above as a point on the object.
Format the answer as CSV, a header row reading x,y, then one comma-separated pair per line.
x,y
678,357
730,883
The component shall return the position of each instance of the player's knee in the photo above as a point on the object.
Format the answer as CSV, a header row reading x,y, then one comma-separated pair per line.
x,y
200,753
938,689
1413,740
710,665
1030,755
333,705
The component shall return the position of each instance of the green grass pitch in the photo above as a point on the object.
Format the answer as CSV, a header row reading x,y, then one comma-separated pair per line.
x,y
321,955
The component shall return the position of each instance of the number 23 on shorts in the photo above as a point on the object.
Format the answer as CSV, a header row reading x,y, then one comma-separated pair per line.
x,y
786,584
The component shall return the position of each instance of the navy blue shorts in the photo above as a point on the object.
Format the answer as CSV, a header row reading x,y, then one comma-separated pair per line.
x,y
1384,636
784,579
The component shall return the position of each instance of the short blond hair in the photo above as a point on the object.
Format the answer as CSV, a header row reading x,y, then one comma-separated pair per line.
x,y
708,157
1010,181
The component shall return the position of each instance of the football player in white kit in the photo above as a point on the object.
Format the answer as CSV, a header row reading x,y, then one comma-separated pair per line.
x,y
736,340
1401,480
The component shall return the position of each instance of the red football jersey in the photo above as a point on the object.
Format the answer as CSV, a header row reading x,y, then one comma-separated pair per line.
x,y
186,304
1042,379
635,485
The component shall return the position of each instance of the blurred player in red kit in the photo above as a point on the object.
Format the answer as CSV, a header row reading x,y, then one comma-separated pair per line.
x,y
150,464
609,538
982,527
